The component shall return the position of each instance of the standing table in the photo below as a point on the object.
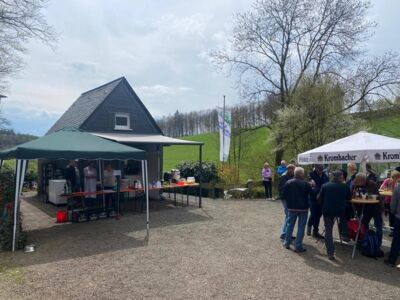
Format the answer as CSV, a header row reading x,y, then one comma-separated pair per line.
x,y
386,193
362,202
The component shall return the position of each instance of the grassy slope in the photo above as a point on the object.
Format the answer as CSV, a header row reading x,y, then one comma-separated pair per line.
x,y
254,151
173,155
386,126
255,147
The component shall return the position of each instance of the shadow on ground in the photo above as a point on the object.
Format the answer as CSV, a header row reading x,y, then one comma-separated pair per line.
x,y
368,268
56,242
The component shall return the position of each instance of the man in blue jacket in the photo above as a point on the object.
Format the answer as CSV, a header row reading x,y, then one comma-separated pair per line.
x,y
281,169
296,192
333,198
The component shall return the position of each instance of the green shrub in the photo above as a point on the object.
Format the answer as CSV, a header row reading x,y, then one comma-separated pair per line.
x,y
7,192
191,169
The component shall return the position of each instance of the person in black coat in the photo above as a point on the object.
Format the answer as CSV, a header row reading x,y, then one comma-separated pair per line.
x,y
333,198
317,178
71,174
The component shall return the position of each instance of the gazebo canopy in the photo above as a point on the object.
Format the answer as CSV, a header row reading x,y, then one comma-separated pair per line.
x,y
359,147
71,143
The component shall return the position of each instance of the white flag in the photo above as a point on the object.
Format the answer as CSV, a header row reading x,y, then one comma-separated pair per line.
x,y
224,123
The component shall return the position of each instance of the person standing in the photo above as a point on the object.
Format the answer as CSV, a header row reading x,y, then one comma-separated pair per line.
x,y
281,169
395,210
71,174
370,174
266,174
90,174
317,178
361,185
296,192
389,184
109,183
333,198
352,172
282,180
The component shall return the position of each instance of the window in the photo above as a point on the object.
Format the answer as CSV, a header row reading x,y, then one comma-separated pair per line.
x,y
122,121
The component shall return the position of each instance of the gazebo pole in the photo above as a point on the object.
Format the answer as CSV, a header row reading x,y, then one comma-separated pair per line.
x,y
1,164
146,191
20,168
101,170
200,171
147,200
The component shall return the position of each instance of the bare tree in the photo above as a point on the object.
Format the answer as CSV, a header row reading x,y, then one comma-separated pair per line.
x,y
372,79
20,21
280,42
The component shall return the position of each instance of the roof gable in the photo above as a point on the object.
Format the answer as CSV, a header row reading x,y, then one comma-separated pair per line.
x,y
84,106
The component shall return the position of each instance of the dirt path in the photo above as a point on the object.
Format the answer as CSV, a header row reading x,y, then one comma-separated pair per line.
x,y
226,250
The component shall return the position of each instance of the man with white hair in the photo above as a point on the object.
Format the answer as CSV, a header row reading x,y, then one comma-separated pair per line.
x,y
296,192
282,168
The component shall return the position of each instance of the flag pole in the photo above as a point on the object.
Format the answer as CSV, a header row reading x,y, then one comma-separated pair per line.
x,y
223,131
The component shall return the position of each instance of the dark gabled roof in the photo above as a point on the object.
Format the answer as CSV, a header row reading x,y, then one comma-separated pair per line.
x,y
84,106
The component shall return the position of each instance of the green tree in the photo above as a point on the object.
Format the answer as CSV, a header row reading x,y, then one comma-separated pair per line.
x,y
311,119
278,43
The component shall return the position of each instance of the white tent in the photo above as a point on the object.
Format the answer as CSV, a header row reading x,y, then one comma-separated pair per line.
x,y
356,148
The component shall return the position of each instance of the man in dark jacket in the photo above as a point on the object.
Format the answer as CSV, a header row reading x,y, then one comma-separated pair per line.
x,y
317,178
395,210
296,192
282,180
361,185
371,174
71,174
333,198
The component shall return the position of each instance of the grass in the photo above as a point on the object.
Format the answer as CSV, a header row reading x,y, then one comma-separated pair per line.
x,y
173,155
255,147
255,151
389,126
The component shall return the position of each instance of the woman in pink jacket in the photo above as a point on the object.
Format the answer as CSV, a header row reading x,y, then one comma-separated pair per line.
x,y
266,174
389,184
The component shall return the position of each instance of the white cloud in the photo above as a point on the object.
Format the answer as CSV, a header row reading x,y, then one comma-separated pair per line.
x,y
161,47
161,90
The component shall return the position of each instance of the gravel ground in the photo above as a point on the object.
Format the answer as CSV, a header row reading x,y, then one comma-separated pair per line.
x,y
226,250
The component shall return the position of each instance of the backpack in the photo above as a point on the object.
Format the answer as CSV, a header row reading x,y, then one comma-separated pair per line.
x,y
370,245
352,227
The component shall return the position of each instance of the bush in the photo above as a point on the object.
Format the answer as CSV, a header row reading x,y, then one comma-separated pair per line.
x,y
191,169
228,175
7,190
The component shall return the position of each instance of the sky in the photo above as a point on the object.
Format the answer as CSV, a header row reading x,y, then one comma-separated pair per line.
x,y
160,46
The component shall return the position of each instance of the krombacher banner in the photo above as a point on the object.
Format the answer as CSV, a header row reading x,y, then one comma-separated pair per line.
x,y
359,147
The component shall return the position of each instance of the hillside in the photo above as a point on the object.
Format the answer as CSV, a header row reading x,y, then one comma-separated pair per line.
x,y
8,138
255,147
255,151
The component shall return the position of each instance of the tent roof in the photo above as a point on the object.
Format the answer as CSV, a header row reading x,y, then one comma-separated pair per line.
x,y
355,148
72,143
145,139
